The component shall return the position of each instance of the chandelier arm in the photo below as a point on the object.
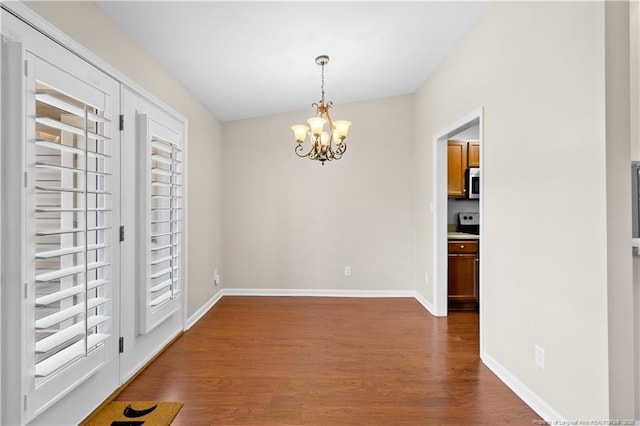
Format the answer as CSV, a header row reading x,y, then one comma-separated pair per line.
x,y
330,123
340,149
316,150
343,147
328,153
300,148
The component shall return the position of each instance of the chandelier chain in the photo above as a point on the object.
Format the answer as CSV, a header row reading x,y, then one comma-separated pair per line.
x,y
322,84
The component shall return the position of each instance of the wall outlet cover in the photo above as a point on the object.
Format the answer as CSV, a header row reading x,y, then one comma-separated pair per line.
x,y
539,356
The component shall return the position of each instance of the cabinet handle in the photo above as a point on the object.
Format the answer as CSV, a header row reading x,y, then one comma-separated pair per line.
x,y
461,245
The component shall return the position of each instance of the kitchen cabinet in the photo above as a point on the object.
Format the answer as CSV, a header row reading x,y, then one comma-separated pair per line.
x,y
473,154
456,166
460,156
463,275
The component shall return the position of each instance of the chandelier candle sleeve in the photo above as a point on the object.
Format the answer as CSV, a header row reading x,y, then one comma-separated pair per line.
x,y
324,145
300,131
316,124
341,129
324,138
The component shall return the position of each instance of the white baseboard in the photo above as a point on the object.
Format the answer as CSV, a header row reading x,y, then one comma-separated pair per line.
x,y
302,292
204,309
424,302
530,398
316,293
160,348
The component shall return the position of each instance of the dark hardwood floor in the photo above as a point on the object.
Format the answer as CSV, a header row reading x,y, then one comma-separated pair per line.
x,y
329,361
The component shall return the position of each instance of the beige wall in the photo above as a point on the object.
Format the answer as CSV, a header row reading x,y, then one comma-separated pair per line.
x,y
98,33
291,223
537,68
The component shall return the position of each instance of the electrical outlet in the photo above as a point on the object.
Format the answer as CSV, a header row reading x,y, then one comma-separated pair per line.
x,y
216,278
347,271
539,356
426,278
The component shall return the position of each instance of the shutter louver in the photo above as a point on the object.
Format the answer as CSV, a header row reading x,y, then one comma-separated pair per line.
x,y
72,226
161,175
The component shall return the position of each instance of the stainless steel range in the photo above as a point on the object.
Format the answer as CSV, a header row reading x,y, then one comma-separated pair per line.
x,y
469,223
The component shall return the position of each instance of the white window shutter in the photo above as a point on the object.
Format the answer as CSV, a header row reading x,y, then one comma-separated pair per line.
x,y
69,229
161,222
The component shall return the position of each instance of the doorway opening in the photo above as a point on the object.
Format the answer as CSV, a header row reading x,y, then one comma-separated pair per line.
x,y
441,211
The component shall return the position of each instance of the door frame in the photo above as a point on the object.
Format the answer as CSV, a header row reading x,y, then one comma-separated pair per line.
x,y
440,264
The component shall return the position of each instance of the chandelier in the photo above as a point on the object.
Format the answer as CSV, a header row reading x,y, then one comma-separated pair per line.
x,y
325,145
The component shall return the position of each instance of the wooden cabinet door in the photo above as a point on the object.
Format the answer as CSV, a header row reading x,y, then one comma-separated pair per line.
x,y
456,165
473,155
463,275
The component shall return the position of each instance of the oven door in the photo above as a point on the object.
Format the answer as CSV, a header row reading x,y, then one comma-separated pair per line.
x,y
473,183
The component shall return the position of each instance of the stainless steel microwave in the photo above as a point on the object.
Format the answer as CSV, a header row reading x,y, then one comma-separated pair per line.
x,y
473,183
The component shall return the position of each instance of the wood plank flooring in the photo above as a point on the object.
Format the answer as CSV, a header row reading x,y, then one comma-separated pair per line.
x,y
329,361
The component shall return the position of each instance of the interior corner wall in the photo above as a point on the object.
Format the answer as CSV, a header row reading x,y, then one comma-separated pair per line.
x,y
618,154
293,223
87,24
537,69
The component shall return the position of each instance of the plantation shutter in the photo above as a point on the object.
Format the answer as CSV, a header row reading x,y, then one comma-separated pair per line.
x,y
162,255
69,187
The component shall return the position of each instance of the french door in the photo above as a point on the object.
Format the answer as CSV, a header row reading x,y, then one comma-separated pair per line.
x,y
92,226
153,157
71,217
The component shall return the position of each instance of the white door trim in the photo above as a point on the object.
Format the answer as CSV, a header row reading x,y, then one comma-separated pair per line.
x,y
439,202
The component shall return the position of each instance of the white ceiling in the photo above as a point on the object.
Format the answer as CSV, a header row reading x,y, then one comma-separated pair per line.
x,y
247,59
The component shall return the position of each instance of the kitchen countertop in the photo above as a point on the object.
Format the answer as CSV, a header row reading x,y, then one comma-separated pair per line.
x,y
462,236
